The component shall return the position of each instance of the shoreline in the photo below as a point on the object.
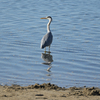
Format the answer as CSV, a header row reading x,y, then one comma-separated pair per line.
x,y
48,91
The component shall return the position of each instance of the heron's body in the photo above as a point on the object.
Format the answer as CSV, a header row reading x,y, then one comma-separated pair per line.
x,y
47,38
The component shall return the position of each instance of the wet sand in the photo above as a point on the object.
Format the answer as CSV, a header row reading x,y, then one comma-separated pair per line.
x,y
48,92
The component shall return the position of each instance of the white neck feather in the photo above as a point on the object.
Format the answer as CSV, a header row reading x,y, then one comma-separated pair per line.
x,y
48,25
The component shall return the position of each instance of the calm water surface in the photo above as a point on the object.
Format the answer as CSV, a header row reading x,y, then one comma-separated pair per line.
x,y
75,52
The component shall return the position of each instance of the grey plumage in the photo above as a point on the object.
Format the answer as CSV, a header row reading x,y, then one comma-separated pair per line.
x,y
46,40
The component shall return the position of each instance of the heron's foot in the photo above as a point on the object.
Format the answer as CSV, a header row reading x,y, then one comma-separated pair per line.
x,y
47,52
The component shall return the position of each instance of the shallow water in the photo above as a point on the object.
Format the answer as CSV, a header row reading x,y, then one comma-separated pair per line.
x,y
75,52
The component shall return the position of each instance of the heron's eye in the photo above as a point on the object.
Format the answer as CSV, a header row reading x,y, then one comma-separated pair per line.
x,y
48,17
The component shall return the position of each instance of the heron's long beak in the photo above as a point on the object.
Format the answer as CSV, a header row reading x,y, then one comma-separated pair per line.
x,y
43,18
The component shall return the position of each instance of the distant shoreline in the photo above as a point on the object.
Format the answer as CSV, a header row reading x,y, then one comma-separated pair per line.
x,y
48,91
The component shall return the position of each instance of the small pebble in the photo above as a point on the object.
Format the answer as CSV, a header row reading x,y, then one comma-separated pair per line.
x,y
39,95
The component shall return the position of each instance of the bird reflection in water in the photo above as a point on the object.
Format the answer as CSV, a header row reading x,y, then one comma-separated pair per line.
x,y
48,60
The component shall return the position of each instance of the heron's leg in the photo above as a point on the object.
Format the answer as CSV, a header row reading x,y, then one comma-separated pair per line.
x,y
49,48
45,50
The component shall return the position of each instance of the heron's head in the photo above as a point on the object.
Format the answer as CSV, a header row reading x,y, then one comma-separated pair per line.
x,y
48,17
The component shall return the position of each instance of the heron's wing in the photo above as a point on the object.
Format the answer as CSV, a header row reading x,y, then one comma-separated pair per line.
x,y
46,40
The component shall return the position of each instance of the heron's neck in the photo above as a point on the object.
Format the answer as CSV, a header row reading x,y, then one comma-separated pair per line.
x,y
48,25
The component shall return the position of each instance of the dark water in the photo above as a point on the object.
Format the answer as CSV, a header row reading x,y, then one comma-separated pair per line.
x,y
75,52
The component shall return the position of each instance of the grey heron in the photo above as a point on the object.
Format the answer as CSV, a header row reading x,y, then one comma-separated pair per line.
x,y
47,38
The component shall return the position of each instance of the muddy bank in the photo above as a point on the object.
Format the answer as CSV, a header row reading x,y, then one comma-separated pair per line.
x,y
48,91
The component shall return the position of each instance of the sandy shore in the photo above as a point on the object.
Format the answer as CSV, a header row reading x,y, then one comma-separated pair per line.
x,y
48,92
